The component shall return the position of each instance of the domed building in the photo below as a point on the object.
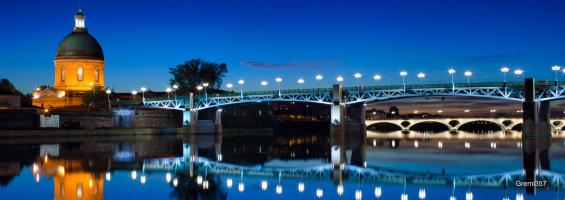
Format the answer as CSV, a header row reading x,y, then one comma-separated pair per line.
x,y
79,68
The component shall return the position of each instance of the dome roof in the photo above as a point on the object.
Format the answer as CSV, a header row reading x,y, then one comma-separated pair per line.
x,y
79,44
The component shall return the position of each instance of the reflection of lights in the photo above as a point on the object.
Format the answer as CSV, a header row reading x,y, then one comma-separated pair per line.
x,y
301,187
404,196
452,198
416,144
199,179
108,176
493,145
278,189
35,168
374,143
393,143
61,170
143,179
440,144
378,192
175,182
90,183
506,198
342,166
133,175
219,156
168,177
241,187
340,189
469,196
37,178
319,193
264,185
519,196
422,193
205,184
45,159
519,144
358,195
365,164
79,191
229,182
467,145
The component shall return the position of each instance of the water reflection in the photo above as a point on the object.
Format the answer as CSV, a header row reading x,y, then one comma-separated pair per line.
x,y
264,165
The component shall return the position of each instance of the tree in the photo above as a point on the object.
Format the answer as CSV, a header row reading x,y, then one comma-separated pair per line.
x,y
197,71
6,87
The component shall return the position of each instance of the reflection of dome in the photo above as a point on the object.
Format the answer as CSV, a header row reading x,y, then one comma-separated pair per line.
x,y
79,44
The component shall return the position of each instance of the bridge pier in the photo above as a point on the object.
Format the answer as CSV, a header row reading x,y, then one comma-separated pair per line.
x,y
536,134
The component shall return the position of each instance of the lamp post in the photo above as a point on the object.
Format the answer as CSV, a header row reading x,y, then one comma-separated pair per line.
x,y
205,84
168,90
377,78
229,85
468,74
108,91
143,89
300,81
421,75
504,70
556,68
134,92
279,80
339,79
264,83
358,77
319,79
241,82
199,88
175,88
518,72
451,72
403,74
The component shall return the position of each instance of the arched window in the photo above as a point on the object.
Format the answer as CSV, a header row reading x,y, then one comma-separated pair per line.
x,y
97,75
80,74
62,73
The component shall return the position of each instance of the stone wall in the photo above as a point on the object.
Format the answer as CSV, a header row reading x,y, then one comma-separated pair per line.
x,y
19,118
85,120
157,118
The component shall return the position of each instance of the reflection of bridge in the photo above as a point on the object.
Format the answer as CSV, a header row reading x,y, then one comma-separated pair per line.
x,y
453,124
508,179
353,95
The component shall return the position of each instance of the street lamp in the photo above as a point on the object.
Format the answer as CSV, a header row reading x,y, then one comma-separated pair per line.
x,y
421,75
241,82
108,91
168,90
504,70
339,79
358,77
175,87
143,89
205,90
134,92
518,72
468,74
377,78
319,79
556,68
264,83
279,80
300,81
403,74
451,72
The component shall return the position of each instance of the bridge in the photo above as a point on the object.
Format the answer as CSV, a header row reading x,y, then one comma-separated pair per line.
x,y
453,124
512,91
356,173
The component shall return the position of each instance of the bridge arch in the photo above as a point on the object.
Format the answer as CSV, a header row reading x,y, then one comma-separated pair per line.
x,y
490,124
417,126
385,127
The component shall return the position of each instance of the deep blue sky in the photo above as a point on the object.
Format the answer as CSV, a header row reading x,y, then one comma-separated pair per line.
x,y
261,39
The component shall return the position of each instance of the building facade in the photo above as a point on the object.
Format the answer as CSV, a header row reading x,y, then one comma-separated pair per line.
x,y
79,68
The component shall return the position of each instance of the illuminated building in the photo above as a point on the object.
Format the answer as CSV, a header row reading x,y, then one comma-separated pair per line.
x,y
79,68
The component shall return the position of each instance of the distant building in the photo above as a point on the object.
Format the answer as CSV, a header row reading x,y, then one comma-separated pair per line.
x,y
79,68
10,100
375,114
